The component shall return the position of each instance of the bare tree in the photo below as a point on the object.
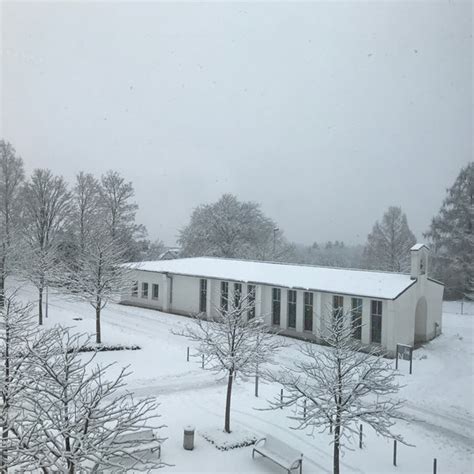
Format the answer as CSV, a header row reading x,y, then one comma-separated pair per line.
x,y
232,229
47,205
339,387
85,205
388,245
272,245
16,328
233,343
11,178
101,275
74,416
155,250
119,211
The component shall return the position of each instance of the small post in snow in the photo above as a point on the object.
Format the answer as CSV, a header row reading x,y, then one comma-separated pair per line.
x,y
281,399
360,437
256,380
187,354
46,309
304,409
394,452
330,426
435,465
202,365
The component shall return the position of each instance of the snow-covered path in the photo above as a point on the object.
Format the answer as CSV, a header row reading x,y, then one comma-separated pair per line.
x,y
439,394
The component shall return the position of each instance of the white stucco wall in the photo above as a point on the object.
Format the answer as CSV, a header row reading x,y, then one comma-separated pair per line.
x,y
185,298
150,278
398,316
406,305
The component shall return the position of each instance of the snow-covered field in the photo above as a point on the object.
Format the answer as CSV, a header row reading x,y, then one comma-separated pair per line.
x,y
439,394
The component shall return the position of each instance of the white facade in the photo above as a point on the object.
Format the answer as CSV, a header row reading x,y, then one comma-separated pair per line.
x,y
410,305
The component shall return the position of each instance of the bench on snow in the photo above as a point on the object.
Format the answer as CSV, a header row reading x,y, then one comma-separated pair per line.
x,y
279,452
137,450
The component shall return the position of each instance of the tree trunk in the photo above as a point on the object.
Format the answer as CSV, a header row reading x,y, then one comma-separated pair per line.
x,y
337,432
40,308
2,290
6,401
228,399
71,468
4,460
5,430
98,335
2,280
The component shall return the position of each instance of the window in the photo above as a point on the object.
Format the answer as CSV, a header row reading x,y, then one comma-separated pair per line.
x,y
224,296
276,303
135,289
308,311
237,294
251,301
356,312
292,309
337,306
203,295
155,291
144,290
376,321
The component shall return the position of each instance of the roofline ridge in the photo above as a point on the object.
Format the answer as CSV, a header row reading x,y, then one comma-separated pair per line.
x,y
271,262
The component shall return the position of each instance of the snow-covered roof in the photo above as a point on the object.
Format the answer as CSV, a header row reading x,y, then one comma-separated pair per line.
x,y
382,285
419,246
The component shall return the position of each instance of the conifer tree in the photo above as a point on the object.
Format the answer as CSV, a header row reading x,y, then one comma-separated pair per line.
x,y
388,245
452,238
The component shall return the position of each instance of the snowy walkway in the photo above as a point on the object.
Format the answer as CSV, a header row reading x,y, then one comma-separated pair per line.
x,y
439,394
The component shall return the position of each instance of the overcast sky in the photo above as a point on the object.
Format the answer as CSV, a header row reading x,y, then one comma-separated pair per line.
x,y
325,113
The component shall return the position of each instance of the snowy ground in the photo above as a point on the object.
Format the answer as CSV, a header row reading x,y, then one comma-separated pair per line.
x,y
440,394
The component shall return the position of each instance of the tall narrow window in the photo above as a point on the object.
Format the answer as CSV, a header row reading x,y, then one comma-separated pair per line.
x,y
251,301
292,309
276,306
376,321
135,289
155,291
224,295
203,295
356,313
308,311
337,306
144,290
237,294
171,290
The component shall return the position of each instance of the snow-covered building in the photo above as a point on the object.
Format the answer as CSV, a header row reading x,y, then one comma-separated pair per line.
x,y
294,299
170,253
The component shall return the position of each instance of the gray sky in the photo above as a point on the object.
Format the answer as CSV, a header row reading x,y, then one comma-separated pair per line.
x,y
325,113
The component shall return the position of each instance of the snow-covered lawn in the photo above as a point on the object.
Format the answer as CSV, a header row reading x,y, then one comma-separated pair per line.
x,y
440,394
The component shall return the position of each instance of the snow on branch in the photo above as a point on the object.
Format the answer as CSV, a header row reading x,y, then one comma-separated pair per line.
x,y
99,274
74,414
339,386
232,342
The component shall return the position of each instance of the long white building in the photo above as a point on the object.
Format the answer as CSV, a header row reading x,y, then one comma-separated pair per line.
x,y
295,299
